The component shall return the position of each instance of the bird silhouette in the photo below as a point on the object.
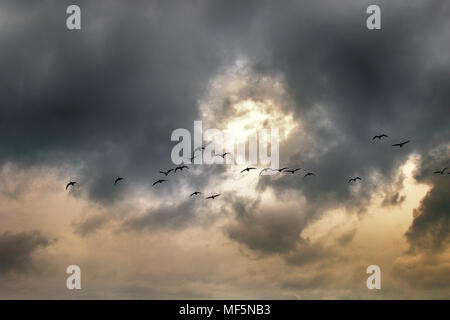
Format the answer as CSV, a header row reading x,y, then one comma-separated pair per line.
x,y
223,155
167,172
195,193
198,149
248,169
354,179
266,169
159,181
380,136
309,174
281,169
292,171
213,196
400,144
117,180
71,183
181,168
442,171
191,158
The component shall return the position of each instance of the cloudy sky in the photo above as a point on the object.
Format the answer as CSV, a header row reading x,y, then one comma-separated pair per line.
x,y
93,104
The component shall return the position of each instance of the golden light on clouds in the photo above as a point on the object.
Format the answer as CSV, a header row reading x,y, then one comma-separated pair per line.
x,y
241,102
253,116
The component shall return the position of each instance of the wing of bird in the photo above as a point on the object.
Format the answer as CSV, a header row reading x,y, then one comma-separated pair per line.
x,y
198,149
400,144
159,181
71,183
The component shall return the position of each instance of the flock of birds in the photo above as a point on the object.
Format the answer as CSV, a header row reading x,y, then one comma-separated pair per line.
x,y
248,169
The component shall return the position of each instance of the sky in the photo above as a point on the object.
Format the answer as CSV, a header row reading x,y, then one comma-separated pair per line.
x,y
93,104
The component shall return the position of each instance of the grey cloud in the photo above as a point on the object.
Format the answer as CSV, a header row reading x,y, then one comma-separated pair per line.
x,y
430,228
17,249
274,231
107,98
170,217
349,84
266,230
103,102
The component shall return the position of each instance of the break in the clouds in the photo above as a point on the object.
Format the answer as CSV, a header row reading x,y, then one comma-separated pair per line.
x,y
102,102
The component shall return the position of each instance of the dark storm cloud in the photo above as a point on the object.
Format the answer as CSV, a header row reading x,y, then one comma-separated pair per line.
x,y
107,98
267,231
350,83
274,231
17,249
431,226
430,229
